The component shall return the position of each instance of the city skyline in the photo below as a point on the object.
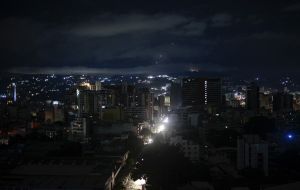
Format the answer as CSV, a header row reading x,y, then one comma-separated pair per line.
x,y
161,94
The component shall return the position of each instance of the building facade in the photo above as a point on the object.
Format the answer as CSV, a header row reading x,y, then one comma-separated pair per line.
x,y
201,92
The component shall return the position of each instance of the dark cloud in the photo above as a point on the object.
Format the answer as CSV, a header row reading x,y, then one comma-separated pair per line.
x,y
111,25
108,41
193,28
152,69
163,36
292,8
221,20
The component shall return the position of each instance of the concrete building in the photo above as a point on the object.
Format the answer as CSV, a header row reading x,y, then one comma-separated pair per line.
x,y
144,98
175,95
112,114
201,92
252,153
137,113
191,150
89,103
73,173
282,102
265,101
162,107
54,112
98,85
252,100
79,130
11,94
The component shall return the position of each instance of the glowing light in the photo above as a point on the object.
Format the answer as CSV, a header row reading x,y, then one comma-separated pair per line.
x,y
55,102
290,136
140,182
15,91
205,92
194,69
150,140
86,84
161,128
166,120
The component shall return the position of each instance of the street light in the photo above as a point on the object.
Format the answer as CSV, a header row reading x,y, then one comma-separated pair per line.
x,y
136,185
161,128
290,136
140,182
166,120
150,140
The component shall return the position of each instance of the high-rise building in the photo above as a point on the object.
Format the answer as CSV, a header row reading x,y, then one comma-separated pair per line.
x,y
140,99
265,101
98,85
124,96
145,98
80,130
253,97
137,113
175,94
11,93
89,103
190,149
282,101
162,109
150,106
201,92
54,112
252,153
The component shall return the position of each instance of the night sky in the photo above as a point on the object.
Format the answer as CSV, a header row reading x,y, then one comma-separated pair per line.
x,y
239,37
